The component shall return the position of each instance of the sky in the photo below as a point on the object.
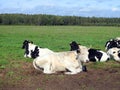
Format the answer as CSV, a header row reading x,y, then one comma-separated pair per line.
x,y
85,8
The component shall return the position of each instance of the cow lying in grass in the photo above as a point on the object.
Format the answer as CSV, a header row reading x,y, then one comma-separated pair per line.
x,y
112,43
30,47
89,54
113,48
52,62
114,53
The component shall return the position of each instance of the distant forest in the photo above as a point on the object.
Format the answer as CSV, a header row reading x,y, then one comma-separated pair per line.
x,y
42,19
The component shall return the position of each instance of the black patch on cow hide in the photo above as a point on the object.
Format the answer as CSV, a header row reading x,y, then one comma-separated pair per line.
x,y
111,44
94,53
118,44
35,53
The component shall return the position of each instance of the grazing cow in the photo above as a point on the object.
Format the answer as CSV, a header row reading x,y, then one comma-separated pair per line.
x,y
30,47
52,62
114,53
112,43
89,54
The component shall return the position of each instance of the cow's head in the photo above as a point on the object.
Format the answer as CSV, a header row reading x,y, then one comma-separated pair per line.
x,y
81,50
74,46
30,49
110,44
25,44
83,53
114,53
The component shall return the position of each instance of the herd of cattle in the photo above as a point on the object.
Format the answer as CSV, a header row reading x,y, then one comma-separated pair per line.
x,y
70,62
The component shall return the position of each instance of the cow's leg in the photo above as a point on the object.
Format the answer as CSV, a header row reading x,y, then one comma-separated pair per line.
x,y
73,70
48,69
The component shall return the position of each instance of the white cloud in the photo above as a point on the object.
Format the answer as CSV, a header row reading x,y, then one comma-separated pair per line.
x,y
115,9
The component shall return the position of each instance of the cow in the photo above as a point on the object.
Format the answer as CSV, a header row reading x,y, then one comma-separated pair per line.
x,y
113,43
52,62
112,47
30,47
90,54
114,53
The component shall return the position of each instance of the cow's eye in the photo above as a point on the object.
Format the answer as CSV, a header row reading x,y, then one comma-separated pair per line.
x,y
113,52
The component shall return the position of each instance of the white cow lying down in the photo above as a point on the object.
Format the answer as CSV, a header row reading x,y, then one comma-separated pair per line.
x,y
62,61
52,62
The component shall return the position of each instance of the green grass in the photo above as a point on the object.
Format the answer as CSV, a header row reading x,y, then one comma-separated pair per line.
x,y
15,69
56,38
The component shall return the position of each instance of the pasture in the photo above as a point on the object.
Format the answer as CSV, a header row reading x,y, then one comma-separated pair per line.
x,y
17,72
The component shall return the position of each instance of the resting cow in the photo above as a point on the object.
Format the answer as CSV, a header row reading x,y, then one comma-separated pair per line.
x,y
113,43
114,53
52,62
89,54
30,47
113,48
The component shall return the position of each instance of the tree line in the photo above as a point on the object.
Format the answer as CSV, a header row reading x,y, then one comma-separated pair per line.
x,y
42,19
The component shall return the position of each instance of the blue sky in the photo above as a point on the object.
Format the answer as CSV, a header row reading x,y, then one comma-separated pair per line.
x,y
87,8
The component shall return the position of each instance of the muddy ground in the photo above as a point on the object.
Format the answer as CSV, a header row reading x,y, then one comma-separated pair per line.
x,y
22,76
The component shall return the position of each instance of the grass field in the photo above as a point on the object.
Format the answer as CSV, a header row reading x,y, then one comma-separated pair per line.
x,y
56,38
15,69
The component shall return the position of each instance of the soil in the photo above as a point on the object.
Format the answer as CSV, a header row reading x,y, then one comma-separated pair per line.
x,y
27,78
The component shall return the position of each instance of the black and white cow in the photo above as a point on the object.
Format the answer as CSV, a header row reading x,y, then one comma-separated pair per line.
x,y
114,53
33,51
113,48
52,62
89,54
113,43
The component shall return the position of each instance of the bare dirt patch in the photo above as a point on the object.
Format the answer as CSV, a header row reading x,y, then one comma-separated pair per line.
x,y
22,76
